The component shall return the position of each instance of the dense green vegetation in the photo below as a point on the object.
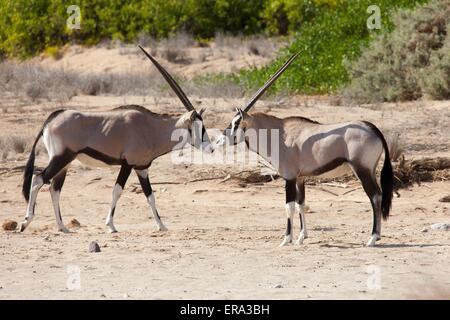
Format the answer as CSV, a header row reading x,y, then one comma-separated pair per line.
x,y
337,49
29,26
329,36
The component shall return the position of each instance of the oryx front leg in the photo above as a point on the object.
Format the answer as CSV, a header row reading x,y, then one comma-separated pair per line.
x,y
147,188
301,212
36,185
122,178
55,191
290,209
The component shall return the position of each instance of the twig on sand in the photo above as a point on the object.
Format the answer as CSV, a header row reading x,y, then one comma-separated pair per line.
x,y
330,192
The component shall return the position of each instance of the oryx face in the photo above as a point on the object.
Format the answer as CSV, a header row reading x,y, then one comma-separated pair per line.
x,y
196,134
230,132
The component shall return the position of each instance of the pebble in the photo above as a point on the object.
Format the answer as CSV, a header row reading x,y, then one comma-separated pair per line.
x,y
94,247
9,225
278,286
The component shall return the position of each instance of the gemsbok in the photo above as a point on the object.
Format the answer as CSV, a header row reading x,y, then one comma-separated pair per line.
x,y
307,148
129,136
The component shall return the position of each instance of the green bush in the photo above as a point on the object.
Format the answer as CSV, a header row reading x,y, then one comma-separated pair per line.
x,y
410,61
333,35
29,26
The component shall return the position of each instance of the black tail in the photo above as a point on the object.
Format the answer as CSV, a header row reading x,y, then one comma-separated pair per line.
x,y
387,175
29,167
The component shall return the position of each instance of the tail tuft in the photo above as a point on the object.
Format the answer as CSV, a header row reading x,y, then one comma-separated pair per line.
x,y
387,175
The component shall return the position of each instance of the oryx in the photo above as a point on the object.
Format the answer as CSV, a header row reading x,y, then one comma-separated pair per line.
x,y
308,148
130,136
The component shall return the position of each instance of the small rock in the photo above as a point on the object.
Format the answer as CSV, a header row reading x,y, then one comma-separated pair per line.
x,y
445,199
424,230
94,247
74,223
278,286
441,226
9,225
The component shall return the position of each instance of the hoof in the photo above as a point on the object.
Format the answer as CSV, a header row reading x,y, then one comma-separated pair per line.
x,y
372,240
287,240
300,239
112,231
64,230
23,226
162,228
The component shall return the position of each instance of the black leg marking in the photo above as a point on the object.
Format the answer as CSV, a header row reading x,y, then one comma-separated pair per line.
x,y
373,191
290,197
57,163
124,173
145,184
288,227
291,191
300,197
121,180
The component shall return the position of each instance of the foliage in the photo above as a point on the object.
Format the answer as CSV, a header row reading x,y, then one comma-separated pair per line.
x,y
411,61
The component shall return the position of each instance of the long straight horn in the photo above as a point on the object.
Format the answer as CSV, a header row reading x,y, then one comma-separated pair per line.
x,y
173,84
269,82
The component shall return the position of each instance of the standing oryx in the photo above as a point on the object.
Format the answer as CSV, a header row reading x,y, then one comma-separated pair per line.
x,y
129,136
308,148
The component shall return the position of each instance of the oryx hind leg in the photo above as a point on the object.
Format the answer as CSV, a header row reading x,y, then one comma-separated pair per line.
x,y
300,199
149,194
122,178
56,164
373,191
291,192
55,191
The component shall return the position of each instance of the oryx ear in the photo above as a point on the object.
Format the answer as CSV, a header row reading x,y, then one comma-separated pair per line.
x,y
186,119
201,111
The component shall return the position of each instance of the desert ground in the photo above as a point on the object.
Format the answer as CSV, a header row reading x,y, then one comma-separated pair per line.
x,y
224,233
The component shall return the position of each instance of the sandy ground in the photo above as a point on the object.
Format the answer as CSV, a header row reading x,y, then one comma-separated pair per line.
x,y
223,237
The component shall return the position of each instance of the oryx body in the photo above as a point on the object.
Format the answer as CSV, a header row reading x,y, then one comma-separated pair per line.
x,y
307,148
129,136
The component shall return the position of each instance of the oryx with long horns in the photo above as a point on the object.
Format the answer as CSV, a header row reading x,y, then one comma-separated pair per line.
x,y
128,136
307,148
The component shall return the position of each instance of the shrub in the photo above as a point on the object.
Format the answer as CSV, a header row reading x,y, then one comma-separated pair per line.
x,y
410,61
332,33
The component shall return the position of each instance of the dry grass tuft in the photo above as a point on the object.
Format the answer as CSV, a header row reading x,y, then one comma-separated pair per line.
x,y
407,172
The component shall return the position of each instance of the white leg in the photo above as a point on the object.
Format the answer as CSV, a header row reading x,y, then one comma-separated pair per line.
x,y
290,209
55,199
376,233
36,184
159,225
147,188
117,191
303,233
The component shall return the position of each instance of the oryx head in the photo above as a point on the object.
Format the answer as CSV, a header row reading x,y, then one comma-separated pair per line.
x,y
241,114
192,120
